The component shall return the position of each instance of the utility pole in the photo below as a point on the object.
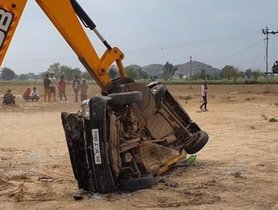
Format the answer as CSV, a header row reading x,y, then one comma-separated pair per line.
x,y
190,73
266,32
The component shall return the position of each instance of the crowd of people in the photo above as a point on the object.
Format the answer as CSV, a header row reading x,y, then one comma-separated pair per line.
x,y
50,83
49,86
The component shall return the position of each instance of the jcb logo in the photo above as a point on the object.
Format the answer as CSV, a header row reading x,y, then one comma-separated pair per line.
x,y
5,22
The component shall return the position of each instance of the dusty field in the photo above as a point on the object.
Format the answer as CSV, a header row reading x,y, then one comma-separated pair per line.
x,y
236,170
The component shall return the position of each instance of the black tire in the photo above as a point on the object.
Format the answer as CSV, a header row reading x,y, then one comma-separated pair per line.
x,y
201,138
126,97
132,184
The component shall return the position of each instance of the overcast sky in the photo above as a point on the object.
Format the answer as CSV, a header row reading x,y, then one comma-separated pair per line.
x,y
216,32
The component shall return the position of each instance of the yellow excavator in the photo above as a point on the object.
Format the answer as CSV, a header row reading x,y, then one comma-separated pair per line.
x,y
130,133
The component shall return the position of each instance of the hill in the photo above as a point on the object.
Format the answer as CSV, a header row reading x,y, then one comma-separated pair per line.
x,y
184,69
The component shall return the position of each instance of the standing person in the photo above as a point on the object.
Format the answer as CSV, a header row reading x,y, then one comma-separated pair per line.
x,y
34,95
204,92
46,84
9,98
76,87
83,89
52,86
62,89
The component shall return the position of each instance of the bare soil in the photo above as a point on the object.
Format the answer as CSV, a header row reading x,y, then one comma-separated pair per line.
x,y
236,170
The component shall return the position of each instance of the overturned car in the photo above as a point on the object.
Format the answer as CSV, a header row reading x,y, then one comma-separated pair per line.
x,y
125,138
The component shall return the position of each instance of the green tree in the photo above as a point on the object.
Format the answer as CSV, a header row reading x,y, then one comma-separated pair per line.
x,y
256,74
54,69
248,73
180,75
85,75
76,72
67,72
23,77
113,72
203,74
142,74
131,72
168,71
235,73
228,71
7,74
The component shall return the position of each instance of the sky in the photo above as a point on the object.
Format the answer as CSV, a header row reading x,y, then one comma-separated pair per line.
x,y
215,32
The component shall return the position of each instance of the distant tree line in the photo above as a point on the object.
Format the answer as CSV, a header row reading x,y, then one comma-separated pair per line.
x,y
228,72
57,69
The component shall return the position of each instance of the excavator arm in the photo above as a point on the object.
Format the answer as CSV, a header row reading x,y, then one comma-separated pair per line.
x,y
64,15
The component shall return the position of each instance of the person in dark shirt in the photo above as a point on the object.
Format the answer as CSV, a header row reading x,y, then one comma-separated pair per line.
x,y
9,98
46,84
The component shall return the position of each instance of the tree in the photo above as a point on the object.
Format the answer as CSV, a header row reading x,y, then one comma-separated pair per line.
x,y
168,70
180,75
131,72
248,73
54,68
142,74
113,72
235,74
22,77
228,71
7,74
203,74
256,74
76,72
68,72
85,75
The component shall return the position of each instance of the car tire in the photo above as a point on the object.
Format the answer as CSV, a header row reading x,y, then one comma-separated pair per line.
x,y
132,184
126,97
201,140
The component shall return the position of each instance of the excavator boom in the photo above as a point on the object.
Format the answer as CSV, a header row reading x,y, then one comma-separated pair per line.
x,y
128,134
64,15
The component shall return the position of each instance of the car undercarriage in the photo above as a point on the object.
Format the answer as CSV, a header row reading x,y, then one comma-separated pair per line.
x,y
123,139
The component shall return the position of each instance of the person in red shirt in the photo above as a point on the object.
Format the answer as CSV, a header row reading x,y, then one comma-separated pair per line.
x,y
26,94
62,89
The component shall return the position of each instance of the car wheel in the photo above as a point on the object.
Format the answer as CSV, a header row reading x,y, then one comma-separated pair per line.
x,y
131,184
201,138
126,97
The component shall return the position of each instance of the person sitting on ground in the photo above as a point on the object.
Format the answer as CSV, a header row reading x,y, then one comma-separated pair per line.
x,y
34,95
9,98
26,94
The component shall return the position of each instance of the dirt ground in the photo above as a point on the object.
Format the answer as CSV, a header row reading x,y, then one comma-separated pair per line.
x,y
236,170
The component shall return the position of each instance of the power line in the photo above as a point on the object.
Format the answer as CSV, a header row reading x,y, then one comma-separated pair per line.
x,y
238,53
180,45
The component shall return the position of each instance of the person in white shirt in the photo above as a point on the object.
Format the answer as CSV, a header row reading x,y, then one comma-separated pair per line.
x,y
52,86
34,95
76,87
204,93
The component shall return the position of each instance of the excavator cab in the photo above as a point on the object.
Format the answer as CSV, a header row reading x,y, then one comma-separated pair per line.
x,y
130,133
